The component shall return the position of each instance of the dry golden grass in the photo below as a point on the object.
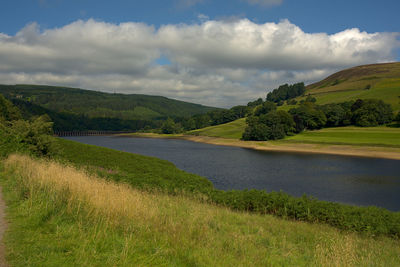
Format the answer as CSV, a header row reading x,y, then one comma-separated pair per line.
x,y
181,231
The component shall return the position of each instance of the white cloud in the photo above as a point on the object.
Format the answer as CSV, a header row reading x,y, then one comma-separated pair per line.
x,y
221,63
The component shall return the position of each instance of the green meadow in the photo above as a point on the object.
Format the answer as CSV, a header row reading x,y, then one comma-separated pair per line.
x,y
370,136
231,130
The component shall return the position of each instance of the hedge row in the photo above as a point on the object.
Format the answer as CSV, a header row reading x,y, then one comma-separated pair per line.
x,y
371,220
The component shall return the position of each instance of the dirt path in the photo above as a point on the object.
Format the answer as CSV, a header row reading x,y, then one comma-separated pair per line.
x,y
3,226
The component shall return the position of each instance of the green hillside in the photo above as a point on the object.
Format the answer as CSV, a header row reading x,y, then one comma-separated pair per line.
x,y
380,81
232,130
95,104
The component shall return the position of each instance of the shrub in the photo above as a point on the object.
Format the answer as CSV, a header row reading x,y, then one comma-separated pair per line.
x,y
371,220
371,112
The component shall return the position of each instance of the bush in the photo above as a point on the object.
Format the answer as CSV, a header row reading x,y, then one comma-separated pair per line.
x,y
371,220
170,127
371,112
271,126
307,116
256,132
17,135
265,108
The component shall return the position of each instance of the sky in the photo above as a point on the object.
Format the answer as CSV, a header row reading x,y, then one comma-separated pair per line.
x,y
211,52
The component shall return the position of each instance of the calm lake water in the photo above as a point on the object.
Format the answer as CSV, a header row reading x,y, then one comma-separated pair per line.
x,y
351,180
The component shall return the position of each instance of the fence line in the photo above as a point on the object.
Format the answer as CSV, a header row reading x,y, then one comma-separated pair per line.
x,y
88,133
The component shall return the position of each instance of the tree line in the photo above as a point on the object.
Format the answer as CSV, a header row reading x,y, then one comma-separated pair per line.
x,y
211,118
268,123
285,92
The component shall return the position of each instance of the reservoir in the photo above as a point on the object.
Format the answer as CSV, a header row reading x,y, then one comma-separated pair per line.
x,y
344,179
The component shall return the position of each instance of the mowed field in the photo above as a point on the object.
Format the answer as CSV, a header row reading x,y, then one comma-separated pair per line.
x,y
373,136
233,130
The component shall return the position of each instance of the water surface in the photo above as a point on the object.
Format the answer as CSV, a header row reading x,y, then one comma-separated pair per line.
x,y
351,180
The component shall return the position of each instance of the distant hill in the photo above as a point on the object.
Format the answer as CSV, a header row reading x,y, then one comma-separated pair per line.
x,y
93,104
380,81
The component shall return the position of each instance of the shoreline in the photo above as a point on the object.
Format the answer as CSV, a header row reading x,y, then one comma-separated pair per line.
x,y
279,146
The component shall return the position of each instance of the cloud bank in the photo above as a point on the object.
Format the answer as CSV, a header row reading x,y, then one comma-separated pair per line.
x,y
220,63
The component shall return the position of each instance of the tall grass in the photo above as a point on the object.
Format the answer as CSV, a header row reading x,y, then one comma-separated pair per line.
x,y
61,217
147,173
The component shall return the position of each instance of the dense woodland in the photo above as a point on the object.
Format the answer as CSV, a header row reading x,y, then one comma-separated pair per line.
x,y
77,109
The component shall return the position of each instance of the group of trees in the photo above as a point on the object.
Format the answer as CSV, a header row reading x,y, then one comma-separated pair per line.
x,y
210,118
66,121
268,124
285,92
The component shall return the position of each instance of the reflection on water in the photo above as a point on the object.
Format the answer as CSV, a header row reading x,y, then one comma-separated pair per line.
x,y
352,180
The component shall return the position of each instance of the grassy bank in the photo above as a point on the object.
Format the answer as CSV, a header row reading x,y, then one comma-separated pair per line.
x,y
365,136
152,174
61,217
139,171
232,130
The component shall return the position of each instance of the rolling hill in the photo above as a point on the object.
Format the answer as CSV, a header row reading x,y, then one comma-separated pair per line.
x,y
379,81
95,104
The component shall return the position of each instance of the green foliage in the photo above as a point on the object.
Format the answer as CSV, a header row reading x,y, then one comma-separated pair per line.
x,y
265,108
371,112
215,117
337,114
170,127
77,109
17,135
285,92
371,220
256,131
311,99
64,121
271,126
8,112
307,116
35,135
255,103
83,102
